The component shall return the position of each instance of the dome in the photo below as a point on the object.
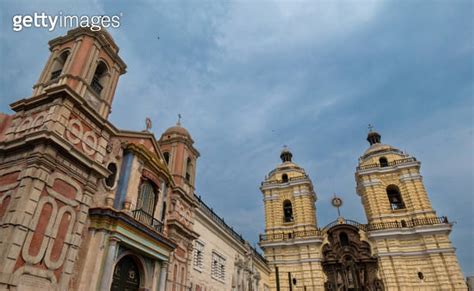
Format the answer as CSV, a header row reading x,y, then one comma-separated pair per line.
x,y
376,147
178,129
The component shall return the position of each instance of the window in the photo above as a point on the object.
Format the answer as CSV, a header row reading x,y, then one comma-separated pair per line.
x,y
343,239
395,198
189,167
100,75
198,255
147,198
110,180
287,211
218,267
383,162
166,155
58,65
421,276
284,178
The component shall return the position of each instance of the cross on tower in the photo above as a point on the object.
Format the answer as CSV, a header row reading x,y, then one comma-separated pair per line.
x,y
371,127
179,119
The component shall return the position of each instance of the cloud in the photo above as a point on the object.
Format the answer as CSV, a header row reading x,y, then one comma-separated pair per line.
x,y
249,77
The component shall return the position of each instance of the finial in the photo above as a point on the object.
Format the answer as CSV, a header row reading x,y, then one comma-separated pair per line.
x,y
371,127
373,137
179,120
148,124
337,202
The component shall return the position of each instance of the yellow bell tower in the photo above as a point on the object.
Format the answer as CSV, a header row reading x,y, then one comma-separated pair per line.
x,y
412,243
291,242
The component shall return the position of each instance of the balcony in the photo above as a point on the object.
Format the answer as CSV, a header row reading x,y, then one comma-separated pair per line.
x,y
96,86
407,223
390,164
282,236
290,235
56,74
148,219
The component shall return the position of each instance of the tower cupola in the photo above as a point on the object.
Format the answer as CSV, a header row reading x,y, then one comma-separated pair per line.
x,y
286,155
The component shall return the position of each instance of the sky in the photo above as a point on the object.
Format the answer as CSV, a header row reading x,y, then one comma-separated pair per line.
x,y
251,77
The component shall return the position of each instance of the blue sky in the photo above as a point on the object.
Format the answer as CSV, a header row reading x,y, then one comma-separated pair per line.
x,y
250,77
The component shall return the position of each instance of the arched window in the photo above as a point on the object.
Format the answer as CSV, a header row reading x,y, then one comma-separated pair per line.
x,y
147,198
189,168
284,178
343,239
166,155
58,65
110,180
163,213
100,75
395,198
383,162
287,211
404,223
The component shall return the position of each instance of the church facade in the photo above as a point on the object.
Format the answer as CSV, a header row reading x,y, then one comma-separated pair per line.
x,y
88,206
403,246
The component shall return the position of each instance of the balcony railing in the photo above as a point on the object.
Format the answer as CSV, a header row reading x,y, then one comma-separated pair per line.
x,y
96,86
390,164
148,219
290,235
407,223
281,236
292,179
55,74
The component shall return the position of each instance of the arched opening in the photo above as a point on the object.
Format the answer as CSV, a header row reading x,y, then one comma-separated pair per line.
x,y
287,211
421,276
284,178
58,65
126,275
383,162
100,75
189,168
404,223
166,155
146,202
163,213
110,180
343,239
395,198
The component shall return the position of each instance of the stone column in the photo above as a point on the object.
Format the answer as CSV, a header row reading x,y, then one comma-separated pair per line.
x,y
108,266
163,273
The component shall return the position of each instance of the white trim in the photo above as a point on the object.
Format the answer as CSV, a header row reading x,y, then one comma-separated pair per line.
x,y
291,242
292,262
416,253
409,231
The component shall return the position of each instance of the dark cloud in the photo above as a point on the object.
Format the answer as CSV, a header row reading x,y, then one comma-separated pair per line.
x,y
250,77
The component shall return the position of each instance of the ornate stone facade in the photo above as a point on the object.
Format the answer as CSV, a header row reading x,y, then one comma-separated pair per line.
x,y
404,245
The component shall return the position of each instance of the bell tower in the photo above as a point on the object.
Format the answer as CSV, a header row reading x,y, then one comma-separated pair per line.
x,y
412,243
53,150
180,154
390,184
291,242
88,63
